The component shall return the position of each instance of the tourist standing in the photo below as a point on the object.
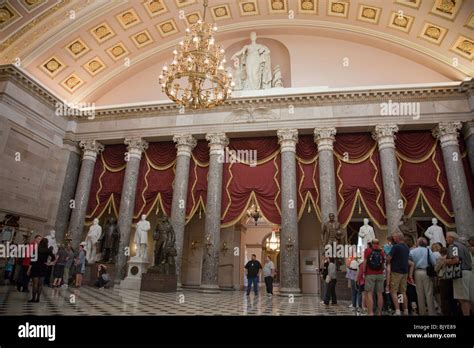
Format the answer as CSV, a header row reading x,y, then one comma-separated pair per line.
x,y
80,265
423,258
268,274
253,268
58,271
69,263
374,278
324,274
351,274
38,269
447,303
463,288
360,282
398,259
331,283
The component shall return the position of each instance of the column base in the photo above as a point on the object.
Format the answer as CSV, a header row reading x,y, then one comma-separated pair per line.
x,y
209,289
285,292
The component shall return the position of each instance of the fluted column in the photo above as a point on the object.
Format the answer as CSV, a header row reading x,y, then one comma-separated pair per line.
x,y
184,144
135,147
90,149
289,250
394,207
447,134
469,139
212,227
324,137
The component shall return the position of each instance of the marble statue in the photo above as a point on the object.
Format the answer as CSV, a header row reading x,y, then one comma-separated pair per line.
x,y
408,227
277,81
165,248
141,237
110,240
253,66
92,238
51,237
366,234
435,233
332,232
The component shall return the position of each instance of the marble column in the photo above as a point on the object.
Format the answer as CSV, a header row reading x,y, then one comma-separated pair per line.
x,y
90,149
447,134
212,226
324,137
184,144
469,140
289,250
72,155
394,205
135,147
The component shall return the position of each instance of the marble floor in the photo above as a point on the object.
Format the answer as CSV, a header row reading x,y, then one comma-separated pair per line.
x,y
93,301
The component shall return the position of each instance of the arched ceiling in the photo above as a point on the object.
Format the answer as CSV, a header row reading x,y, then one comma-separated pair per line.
x,y
75,47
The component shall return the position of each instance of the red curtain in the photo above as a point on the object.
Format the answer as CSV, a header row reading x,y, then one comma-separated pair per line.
x,y
358,178
107,181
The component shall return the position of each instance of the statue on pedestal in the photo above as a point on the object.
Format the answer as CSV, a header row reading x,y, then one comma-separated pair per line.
x,y
332,232
165,247
95,231
435,233
110,240
407,226
141,237
366,234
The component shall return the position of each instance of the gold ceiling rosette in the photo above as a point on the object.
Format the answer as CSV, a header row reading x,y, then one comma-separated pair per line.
x,y
197,78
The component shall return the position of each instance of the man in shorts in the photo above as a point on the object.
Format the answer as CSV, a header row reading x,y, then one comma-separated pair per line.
x,y
398,259
374,277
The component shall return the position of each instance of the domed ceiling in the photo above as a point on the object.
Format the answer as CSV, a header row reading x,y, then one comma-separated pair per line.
x,y
74,47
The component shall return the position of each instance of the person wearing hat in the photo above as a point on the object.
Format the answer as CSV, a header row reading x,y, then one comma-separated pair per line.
x,y
80,264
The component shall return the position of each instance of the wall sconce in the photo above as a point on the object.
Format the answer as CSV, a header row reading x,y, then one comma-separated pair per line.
x,y
290,244
209,244
224,248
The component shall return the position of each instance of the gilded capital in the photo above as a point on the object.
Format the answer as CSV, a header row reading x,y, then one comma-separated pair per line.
x,y
90,149
324,137
135,146
287,138
185,143
217,143
384,134
447,133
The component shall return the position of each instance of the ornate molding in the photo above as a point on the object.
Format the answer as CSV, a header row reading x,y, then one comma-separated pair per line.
x,y
217,143
135,147
287,138
185,143
324,137
90,149
447,133
384,134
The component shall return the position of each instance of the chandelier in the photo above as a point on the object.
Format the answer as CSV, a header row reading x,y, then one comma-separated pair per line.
x,y
197,78
272,244
254,212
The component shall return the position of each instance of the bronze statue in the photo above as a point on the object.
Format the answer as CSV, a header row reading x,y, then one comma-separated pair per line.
x,y
165,247
333,232
407,226
110,240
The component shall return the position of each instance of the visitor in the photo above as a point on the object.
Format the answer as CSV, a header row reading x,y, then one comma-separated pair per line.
x,y
387,303
9,268
411,286
23,277
324,274
102,276
398,259
268,274
388,246
58,271
423,259
351,274
80,264
447,303
68,265
360,282
435,248
38,269
331,283
463,288
374,278
253,268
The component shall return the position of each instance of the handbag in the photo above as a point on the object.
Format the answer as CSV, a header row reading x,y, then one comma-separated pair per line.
x,y
453,271
430,271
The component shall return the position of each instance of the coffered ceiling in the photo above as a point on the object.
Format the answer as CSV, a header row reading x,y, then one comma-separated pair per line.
x,y
75,46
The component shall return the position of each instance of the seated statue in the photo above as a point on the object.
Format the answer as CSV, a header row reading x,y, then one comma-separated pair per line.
x,y
165,247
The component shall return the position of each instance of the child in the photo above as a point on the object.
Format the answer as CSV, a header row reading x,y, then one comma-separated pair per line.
x,y
360,283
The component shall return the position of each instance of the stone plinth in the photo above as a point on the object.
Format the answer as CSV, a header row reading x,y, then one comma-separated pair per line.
x,y
158,282
136,268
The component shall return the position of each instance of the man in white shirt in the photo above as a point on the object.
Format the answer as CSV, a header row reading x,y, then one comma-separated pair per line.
x,y
268,274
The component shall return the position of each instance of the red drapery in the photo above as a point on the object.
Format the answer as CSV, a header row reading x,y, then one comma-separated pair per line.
x,y
107,181
358,178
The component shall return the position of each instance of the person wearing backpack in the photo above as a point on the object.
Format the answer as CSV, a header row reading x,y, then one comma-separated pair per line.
x,y
374,278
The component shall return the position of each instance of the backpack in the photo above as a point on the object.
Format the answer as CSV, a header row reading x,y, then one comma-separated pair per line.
x,y
375,260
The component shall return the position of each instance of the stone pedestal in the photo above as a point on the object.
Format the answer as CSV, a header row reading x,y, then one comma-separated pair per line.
x,y
136,269
158,282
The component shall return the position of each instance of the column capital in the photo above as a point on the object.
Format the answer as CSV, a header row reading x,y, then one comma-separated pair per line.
x,y
384,134
217,143
325,137
135,147
287,138
468,129
447,133
90,149
185,143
